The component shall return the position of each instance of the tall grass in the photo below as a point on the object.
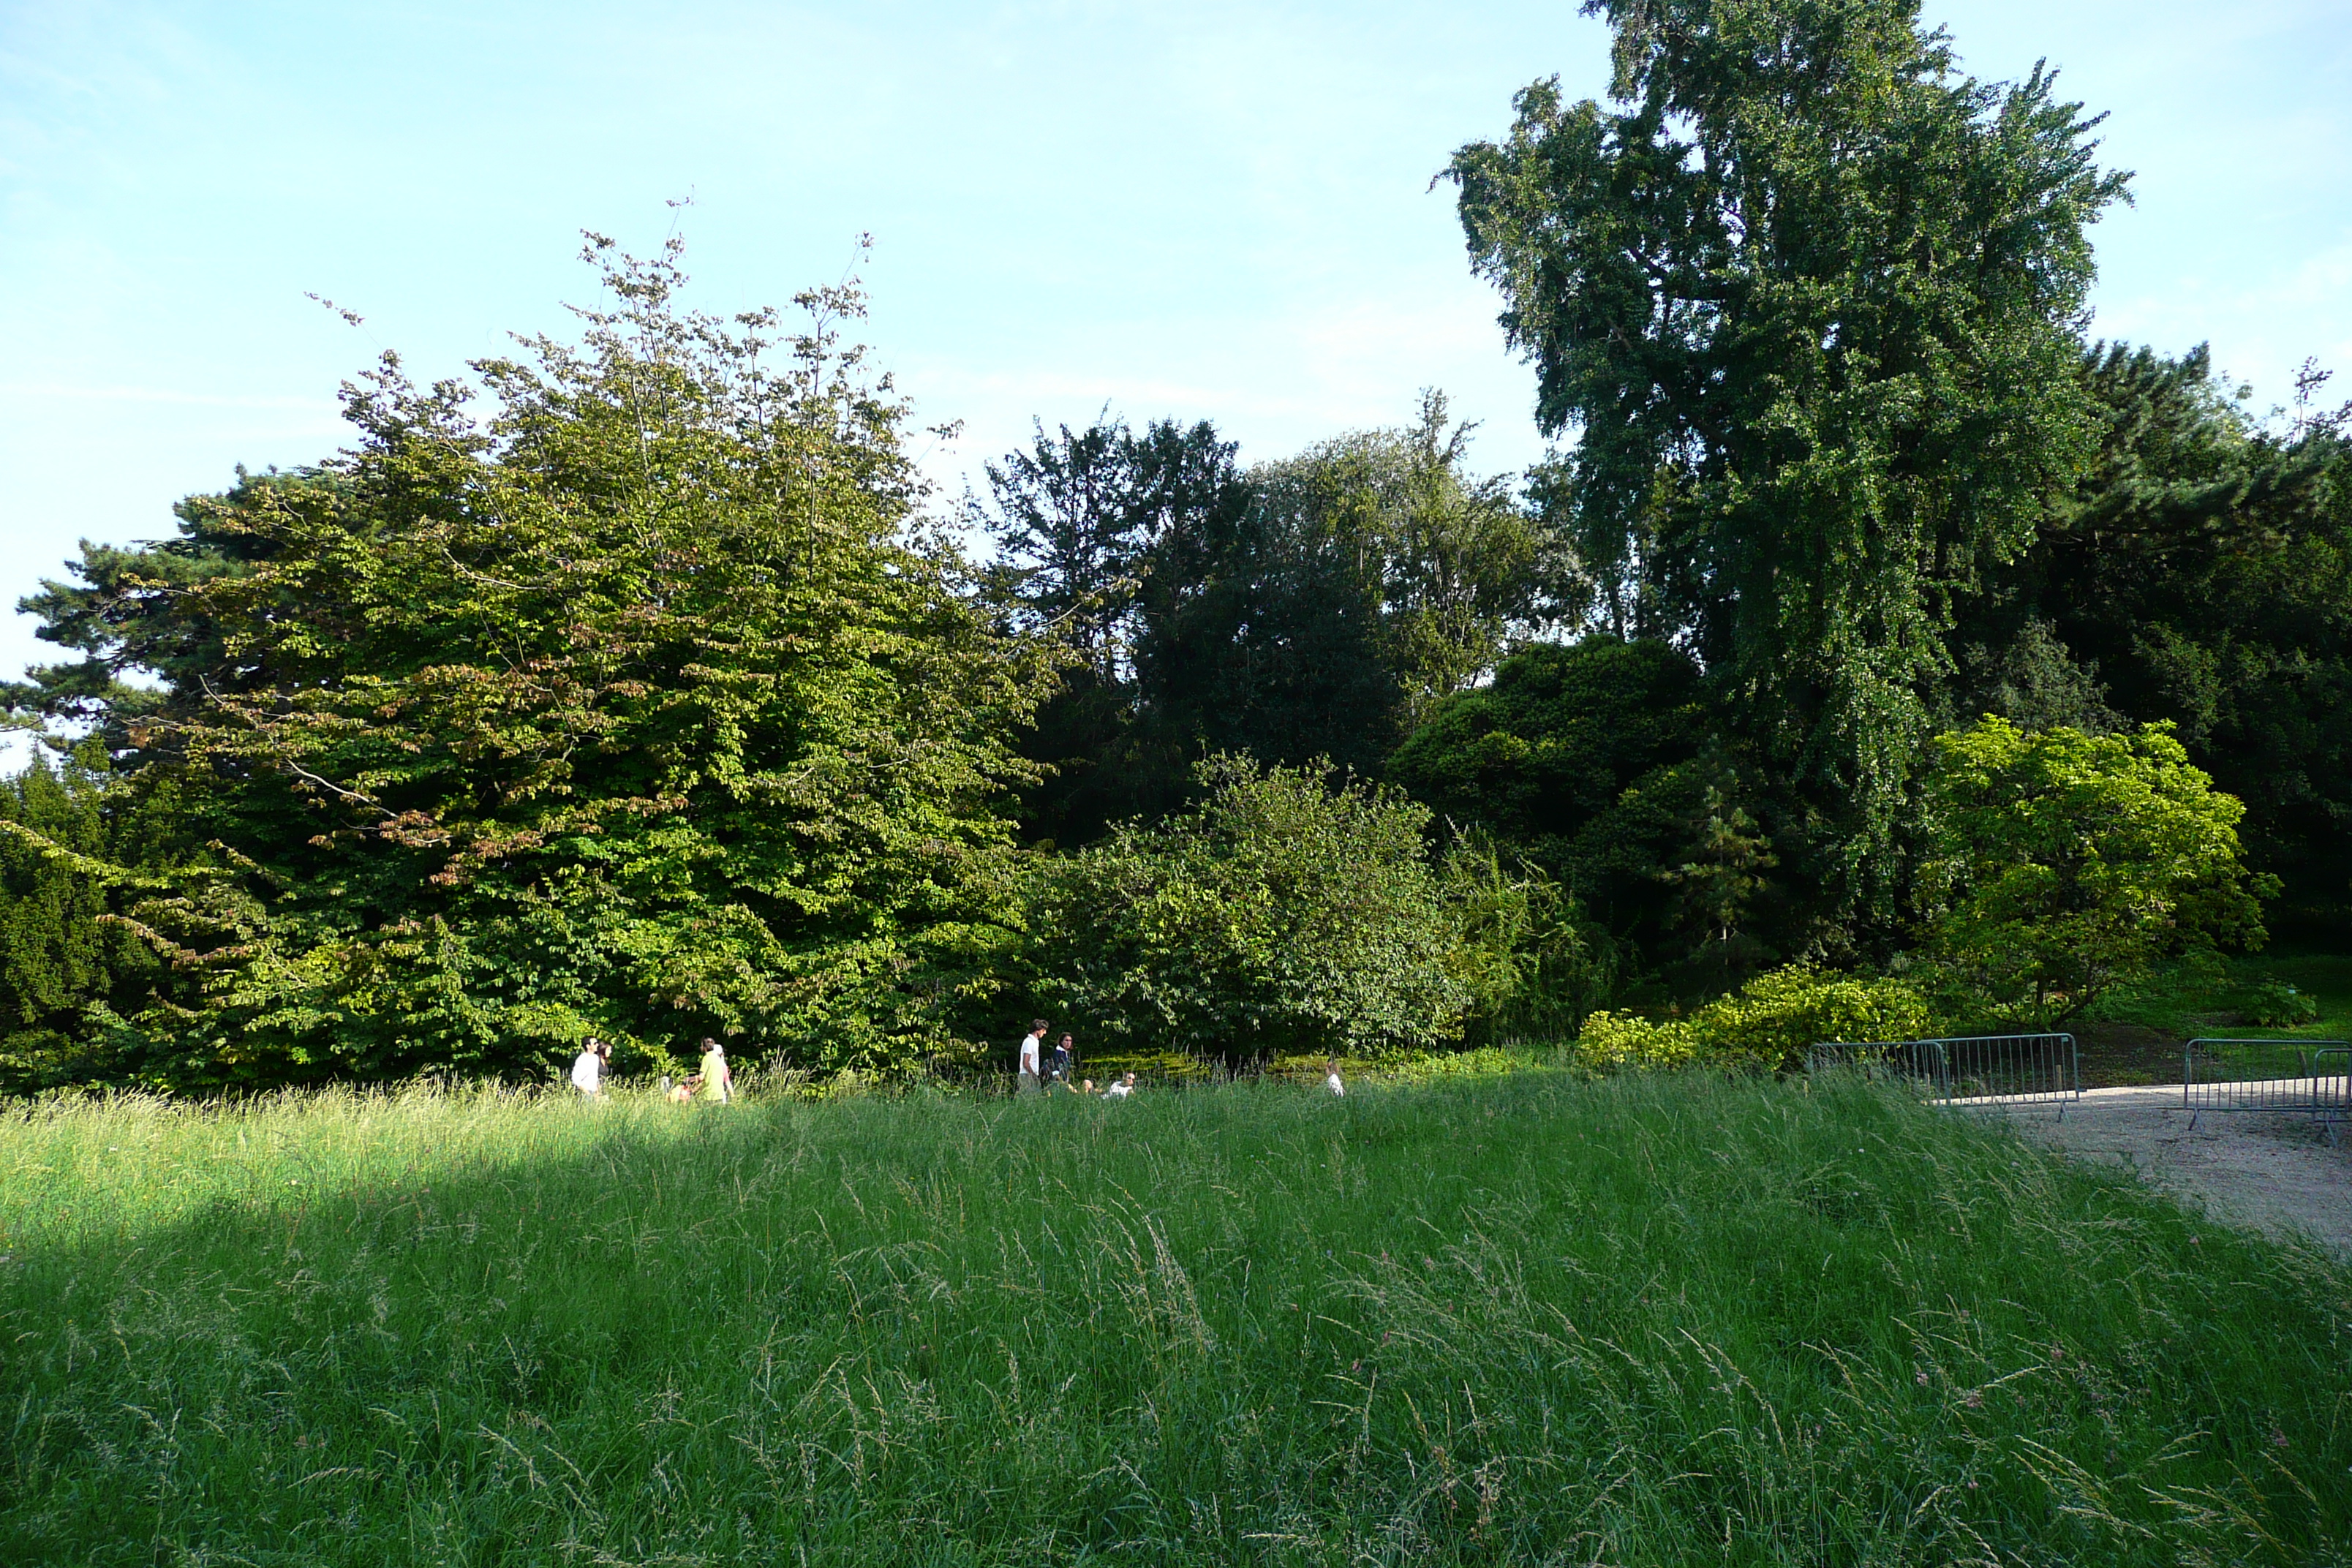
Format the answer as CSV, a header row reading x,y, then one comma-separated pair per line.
x,y
1523,1320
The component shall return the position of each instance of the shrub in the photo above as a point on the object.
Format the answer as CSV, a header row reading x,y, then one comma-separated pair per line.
x,y
1283,915
2275,1005
1768,1022
1624,1039
1772,1020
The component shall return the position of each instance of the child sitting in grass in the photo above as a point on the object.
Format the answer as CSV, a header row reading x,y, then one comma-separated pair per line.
x,y
684,1093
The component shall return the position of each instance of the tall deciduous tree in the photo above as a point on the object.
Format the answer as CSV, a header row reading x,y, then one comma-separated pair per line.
x,y
644,705
1807,304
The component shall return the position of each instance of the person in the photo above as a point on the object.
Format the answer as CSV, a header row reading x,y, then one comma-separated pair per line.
x,y
718,1083
588,1069
1064,1057
683,1093
1030,1078
1331,1076
1122,1088
1086,1086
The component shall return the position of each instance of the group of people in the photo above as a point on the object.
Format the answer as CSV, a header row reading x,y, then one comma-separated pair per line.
x,y
714,1085
1042,1071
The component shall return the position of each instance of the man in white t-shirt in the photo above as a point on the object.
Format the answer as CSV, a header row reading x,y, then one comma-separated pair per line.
x,y
588,1069
1122,1089
1030,1078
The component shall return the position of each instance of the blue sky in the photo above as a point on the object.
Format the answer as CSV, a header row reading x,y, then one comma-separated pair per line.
x,y
1206,209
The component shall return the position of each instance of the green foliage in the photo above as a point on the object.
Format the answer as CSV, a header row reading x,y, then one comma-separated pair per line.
x,y
1083,523
1587,759
1288,912
71,963
2275,1005
1310,607
2200,573
1809,303
643,706
1769,1023
1523,1318
2072,863
1447,564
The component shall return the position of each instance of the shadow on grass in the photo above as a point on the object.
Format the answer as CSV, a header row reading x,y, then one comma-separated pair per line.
x,y
1486,1322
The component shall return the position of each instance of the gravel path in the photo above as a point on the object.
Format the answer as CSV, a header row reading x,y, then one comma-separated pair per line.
x,y
2279,1173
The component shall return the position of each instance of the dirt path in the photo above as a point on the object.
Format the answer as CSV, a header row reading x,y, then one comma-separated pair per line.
x,y
2278,1174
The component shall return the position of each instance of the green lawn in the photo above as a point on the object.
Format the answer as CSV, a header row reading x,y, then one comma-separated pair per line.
x,y
1518,1320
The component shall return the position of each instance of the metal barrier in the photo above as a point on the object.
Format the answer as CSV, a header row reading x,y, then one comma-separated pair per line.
x,y
2317,1083
1920,1061
1968,1069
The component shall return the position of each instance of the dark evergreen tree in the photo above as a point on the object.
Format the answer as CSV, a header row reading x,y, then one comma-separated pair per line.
x,y
1591,761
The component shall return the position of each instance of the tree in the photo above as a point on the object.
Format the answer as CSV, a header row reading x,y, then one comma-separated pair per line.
x,y
1808,306
73,841
2068,864
1313,607
1457,567
2200,573
1094,528
1714,887
644,706
1584,758
1291,911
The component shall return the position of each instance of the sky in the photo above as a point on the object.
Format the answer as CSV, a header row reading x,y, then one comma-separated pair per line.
x,y
1197,210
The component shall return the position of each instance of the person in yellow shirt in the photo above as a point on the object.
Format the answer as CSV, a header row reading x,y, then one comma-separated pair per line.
x,y
718,1083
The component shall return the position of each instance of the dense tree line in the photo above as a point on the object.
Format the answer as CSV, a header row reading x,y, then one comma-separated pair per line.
x,y
637,686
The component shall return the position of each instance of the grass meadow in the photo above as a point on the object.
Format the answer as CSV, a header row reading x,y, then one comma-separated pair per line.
x,y
1523,1319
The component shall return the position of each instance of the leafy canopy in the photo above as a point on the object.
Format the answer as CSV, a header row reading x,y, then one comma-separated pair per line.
x,y
1289,912
641,704
2070,863
1808,305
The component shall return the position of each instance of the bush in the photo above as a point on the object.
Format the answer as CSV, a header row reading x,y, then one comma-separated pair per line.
x,y
1768,1022
2069,865
1283,915
2275,1005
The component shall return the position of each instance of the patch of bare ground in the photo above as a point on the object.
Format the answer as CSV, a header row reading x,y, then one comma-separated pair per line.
x,y
2279,1173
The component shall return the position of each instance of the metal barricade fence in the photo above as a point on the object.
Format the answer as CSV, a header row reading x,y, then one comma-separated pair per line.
x,y
1912,1060
1968,1069
2014,1070
2306,1078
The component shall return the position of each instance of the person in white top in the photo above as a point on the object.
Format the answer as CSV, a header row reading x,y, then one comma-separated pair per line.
x,y
1331,1077
588,1069
1122,1089
1030,1078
